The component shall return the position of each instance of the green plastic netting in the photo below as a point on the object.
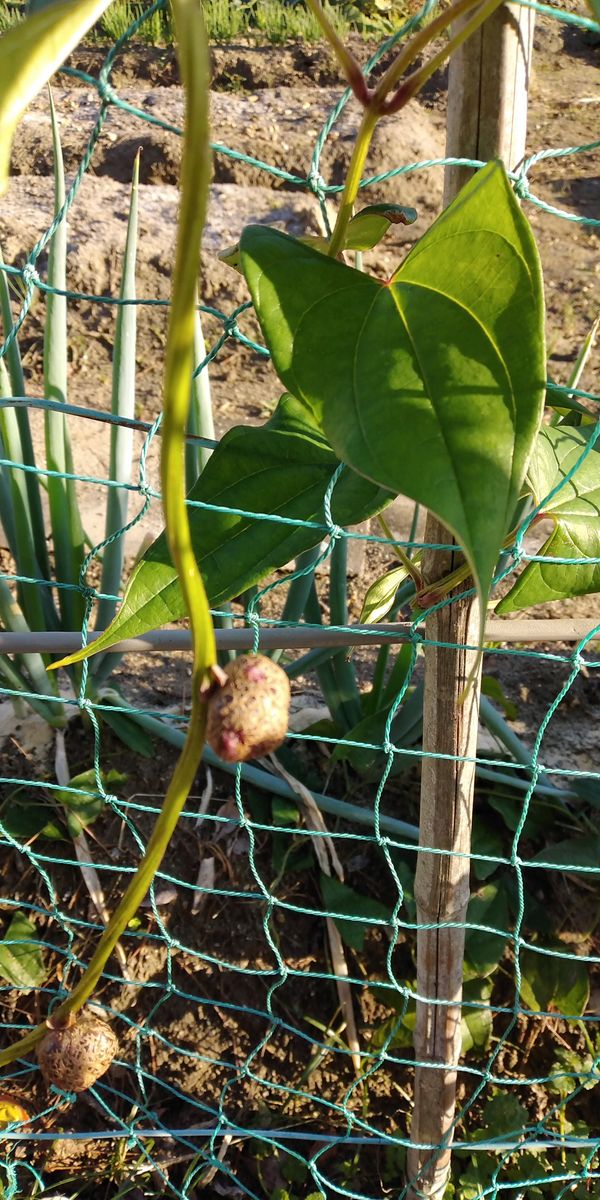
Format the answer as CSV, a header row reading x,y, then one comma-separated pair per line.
x,y
237,1073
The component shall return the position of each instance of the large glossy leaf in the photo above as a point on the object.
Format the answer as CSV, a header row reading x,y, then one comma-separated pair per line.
x,y
485,947
431,383
477,1022
503,1114
572,854
21,960
406,729
576,511
30,53
282,469
552,982
380,596
340,899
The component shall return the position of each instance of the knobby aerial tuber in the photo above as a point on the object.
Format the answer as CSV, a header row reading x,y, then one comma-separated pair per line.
x,y
76,1053
248,713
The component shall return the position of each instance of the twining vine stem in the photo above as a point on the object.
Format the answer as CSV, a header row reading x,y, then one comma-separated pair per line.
x,y
410,85
377,101
355,172
195,178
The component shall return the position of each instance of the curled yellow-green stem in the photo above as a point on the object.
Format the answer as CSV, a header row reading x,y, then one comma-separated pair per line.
x,y
378,103
442,587
195,178
355,172
407,562
351,68
424,37
412,84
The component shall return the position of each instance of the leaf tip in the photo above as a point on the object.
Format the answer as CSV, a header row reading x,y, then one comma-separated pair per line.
x,y
68,660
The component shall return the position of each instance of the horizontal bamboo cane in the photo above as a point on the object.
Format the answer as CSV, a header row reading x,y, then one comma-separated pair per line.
x,y
302,637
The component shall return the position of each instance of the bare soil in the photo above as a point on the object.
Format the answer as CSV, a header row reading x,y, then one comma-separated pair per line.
x,y
202,985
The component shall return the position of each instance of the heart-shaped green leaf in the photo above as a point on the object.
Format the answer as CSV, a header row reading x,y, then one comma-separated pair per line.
x,y
370,225
477,1022
488,907
432,383
82,801
571,854
281,470
30,53
576,510
380,596
406,729
343,900
21,955
503,1114
551,981
365,230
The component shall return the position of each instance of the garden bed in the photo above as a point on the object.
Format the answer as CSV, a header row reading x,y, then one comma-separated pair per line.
x,y
185,1040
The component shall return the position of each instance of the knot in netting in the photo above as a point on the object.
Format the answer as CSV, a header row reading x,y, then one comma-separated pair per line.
x,y
577,659
145,490
516,555
521,188
84,703
30,276
106,90
253,620
231,328
88,593
316,184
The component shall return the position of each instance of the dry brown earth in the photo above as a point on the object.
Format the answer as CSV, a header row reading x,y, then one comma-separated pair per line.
x,y
269,103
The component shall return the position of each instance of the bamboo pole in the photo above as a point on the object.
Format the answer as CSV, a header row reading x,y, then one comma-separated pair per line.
x,y
301,637
487,114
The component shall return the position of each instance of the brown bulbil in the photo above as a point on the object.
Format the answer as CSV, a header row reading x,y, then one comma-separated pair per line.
x,y
248,715
74,1055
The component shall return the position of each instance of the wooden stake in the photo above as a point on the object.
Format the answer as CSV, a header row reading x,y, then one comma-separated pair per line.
x,y
487,113
442,882
488,83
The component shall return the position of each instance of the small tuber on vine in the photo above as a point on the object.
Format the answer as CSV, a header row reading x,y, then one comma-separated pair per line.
x,y
247,713
75,1053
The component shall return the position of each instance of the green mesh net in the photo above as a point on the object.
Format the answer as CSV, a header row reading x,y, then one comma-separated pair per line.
x,y
268,924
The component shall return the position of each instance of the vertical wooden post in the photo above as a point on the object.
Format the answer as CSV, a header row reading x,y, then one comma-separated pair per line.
x,y
487,115
488,83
